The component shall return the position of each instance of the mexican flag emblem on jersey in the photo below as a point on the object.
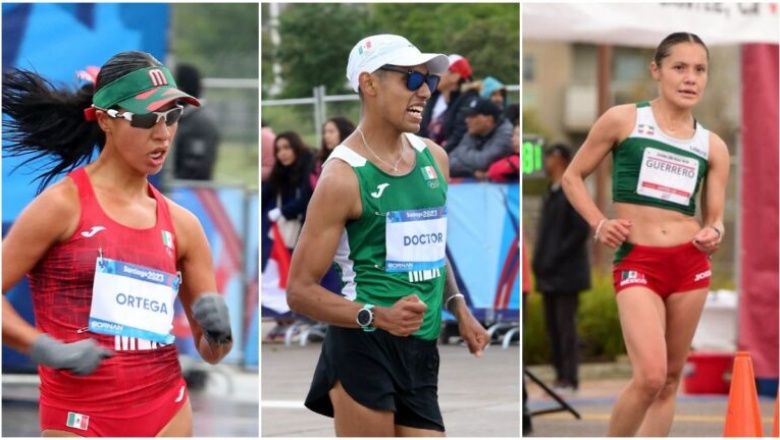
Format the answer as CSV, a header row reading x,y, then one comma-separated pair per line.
x,y
167,239
78,421
632,275
428,172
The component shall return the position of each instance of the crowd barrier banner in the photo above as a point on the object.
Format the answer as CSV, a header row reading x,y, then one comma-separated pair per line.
x,y
19,296
222,212
251,314
58,40
484,247
482,243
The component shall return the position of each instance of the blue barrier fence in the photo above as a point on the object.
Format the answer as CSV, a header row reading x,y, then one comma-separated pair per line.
x,y
482,244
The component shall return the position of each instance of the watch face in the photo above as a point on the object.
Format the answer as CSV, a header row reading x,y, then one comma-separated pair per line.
x,y
364,317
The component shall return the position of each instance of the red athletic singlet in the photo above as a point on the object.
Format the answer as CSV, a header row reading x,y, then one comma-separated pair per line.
x,y
61,286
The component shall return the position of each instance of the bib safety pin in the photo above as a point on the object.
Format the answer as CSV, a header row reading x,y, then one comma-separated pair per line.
x,y
100,257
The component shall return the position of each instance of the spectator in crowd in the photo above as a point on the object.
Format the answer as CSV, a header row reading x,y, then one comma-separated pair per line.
x,y
287,195
489,138
267,161
526,279
334,131
198,137
267,156
506,169
561,269
436,109
513,113
455,124
494,90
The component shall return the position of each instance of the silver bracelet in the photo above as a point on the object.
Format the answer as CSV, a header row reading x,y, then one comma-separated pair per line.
x,y
598,229
447,303
720,234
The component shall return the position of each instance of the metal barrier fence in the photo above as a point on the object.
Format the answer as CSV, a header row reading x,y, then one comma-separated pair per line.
x,y
325,106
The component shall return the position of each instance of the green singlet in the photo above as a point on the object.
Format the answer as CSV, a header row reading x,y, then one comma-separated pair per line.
x,y
397,246
653,169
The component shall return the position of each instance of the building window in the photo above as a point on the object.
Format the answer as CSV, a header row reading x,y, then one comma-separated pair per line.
x,y
529,68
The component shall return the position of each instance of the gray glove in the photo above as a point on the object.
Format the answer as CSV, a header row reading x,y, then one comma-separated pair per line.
x,y
82,357
211,312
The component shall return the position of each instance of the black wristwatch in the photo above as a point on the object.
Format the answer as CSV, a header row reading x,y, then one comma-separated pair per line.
x,y
365,318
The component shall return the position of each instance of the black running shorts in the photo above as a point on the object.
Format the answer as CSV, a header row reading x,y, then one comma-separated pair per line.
x,y
380,371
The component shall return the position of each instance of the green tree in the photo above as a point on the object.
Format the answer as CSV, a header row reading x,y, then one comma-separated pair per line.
x,y
266,53
488,34
316,38
315,42
219,38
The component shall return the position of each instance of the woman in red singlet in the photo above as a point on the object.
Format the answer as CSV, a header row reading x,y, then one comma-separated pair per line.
x,y
106,254
662,158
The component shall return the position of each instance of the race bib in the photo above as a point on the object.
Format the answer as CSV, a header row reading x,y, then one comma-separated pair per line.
x,y
133,301
667,176
415,240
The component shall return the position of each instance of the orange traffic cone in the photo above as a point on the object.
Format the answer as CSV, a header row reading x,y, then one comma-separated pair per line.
x,y
743,418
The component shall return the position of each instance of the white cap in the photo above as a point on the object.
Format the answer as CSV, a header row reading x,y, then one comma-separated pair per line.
x,y
375,51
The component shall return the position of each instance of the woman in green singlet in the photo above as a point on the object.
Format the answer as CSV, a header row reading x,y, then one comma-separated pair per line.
x,y
663,158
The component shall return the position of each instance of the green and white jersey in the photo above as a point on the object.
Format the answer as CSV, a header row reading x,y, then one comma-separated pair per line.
x,y
397,246
651,168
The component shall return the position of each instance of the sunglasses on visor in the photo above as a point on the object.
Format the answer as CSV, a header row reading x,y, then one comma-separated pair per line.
x,y
415,79
147,120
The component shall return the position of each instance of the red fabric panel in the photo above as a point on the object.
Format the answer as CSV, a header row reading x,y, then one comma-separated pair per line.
x,y
759,264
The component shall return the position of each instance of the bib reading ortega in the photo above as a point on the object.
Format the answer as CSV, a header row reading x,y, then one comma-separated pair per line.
x,y
653,169
397,246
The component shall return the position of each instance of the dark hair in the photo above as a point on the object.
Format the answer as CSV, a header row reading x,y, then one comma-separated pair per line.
x,y
188,79
559,149
512,113
285,179
48,122
345,128
665,48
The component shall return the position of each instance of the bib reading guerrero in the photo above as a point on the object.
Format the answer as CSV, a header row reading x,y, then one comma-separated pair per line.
x,y
653,169
397,247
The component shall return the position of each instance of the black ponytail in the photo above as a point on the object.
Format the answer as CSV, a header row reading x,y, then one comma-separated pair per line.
x,y
47,122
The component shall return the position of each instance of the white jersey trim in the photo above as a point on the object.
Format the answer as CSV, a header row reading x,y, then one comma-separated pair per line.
x,y
646,127
356,160
347,266
349,156
416,142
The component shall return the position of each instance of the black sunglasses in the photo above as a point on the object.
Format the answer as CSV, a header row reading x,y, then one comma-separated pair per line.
x,y
148,120
415,79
